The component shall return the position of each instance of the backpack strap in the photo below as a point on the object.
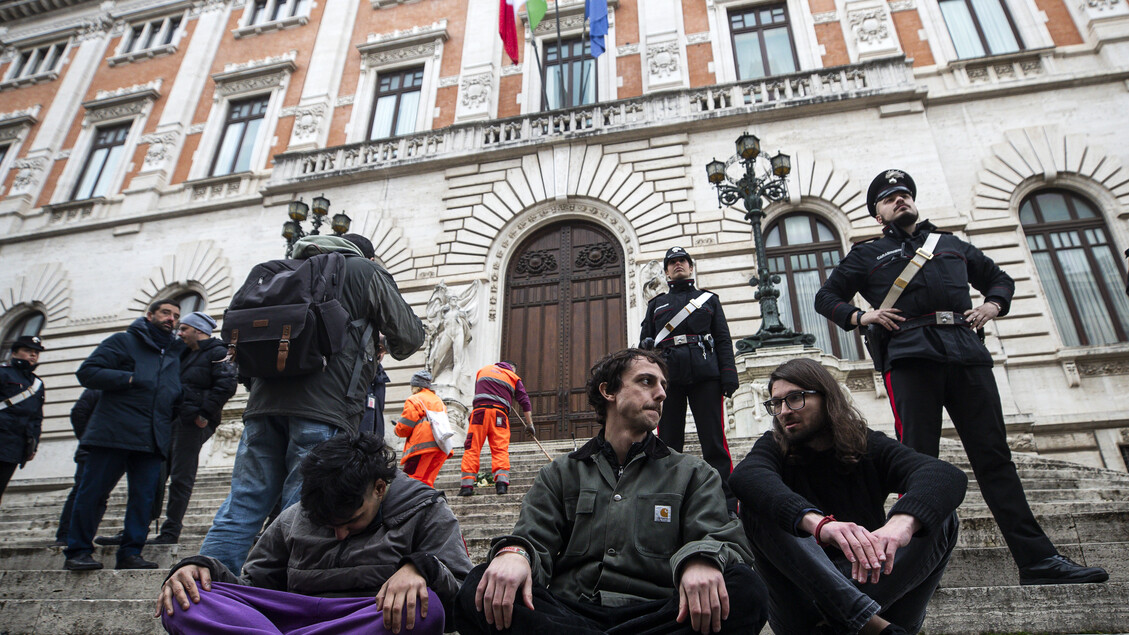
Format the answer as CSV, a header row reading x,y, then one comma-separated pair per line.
x,y
366,337
923,255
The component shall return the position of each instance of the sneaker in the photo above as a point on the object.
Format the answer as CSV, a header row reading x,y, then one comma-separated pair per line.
x,y
1059,569
110,541
163,539
502,488
85,562
135,561
466,490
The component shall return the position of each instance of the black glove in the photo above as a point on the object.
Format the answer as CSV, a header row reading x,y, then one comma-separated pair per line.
x,y
729,389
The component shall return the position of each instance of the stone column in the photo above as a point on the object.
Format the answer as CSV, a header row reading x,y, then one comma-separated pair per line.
x,y
478,86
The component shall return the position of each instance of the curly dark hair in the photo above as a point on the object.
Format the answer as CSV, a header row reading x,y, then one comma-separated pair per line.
x,y
338,473
610,369
848,427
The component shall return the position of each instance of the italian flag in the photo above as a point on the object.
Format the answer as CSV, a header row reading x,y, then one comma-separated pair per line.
x,y
507,21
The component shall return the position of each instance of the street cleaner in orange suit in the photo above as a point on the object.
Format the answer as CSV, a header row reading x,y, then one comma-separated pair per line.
x,y
423,456
495,387
926,338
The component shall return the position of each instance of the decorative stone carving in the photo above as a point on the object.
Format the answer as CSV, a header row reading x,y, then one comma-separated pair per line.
x,y
654,280
196,128
627,49
568,22
663,60
1102,5
1098,368
453,80
596,256
307,120
242,77
698,38
535,263
161,147
252,84
869,26
266,62
114,112
902,5
93,28
344,100
826,17
121,102
860,383
512,69
1070,369
419,41
475,91
45,286
450,320
395,55
28,172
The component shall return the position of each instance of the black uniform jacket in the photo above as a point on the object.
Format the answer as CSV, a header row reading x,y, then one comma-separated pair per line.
x,y
942,285
686,363
20,424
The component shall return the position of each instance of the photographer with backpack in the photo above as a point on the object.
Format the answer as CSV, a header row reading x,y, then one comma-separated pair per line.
x,y
304,331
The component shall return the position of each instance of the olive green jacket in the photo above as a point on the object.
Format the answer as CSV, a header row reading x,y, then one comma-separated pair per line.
x,y
593,538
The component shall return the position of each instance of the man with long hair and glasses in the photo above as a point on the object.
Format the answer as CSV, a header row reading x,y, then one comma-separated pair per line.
x,y
812,494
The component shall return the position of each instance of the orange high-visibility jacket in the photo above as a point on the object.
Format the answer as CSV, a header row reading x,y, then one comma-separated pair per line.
x,y
413,423
497,386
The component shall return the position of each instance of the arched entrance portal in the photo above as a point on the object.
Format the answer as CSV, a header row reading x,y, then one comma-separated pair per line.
x,y
565,308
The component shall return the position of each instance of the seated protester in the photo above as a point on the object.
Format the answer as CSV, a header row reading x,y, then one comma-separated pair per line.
x,y
422,456
361,529
812,494
623,535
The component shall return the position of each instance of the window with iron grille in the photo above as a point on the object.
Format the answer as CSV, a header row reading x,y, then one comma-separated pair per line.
x,y
980,27
1079,269
102,161
569,65
803,250
762,41
240,132
396,104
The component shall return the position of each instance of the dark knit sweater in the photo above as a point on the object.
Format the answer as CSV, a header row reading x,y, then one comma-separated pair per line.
x,y
782,489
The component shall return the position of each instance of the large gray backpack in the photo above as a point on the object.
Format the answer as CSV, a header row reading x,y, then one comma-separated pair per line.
x,y
287,318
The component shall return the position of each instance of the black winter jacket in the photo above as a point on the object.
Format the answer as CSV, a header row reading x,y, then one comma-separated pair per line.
x,y
686,363
942,285
80,416
132,415
207,382
21,424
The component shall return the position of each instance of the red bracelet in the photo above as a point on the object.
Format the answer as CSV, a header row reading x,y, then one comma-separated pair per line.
x,y
830,518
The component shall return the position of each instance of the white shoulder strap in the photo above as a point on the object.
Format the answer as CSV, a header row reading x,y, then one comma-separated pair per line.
x,y
17,398
923,255
691,306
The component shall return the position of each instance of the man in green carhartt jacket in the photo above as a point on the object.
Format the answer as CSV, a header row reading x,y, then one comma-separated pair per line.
x,y
623,534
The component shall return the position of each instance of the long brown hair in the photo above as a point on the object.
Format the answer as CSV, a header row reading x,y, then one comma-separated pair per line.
x,y
848,427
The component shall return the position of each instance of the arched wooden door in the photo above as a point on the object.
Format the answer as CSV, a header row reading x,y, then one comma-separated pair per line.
x,y
565,308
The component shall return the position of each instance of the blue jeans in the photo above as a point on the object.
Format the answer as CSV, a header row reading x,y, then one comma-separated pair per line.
x,y
807,583
265,472
101,471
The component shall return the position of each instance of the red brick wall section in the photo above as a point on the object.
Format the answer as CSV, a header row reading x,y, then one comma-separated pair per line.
x,y
698,58
908,25
695,19
1061,26
445,99
507,96
830,35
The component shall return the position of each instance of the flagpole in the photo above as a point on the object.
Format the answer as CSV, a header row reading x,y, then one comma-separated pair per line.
x,y
540,69
560,55
584,39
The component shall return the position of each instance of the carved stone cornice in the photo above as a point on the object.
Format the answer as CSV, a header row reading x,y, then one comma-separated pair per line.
x,y
111,104
279,64
420,41
12,122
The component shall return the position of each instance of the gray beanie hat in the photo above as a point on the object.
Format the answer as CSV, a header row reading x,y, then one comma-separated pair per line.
x,y
421,379
199,321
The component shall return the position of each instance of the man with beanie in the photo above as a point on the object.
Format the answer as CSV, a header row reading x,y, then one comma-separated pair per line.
x,y
422,455
496,387
208,381
688,327
21,407
138,373
927,341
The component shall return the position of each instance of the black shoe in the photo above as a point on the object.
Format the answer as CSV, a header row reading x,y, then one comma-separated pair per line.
x,y
85,562
1060,570
135,562
466,490
110,541
502,488
163,539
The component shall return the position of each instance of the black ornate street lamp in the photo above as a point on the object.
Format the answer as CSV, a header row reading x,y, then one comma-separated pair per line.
x,y
298,211
749,189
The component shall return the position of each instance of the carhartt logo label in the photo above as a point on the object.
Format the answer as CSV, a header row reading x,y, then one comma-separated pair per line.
x,y
662,513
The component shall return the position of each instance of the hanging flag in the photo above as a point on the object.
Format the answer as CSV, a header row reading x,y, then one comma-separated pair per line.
x,y
507,21
597,13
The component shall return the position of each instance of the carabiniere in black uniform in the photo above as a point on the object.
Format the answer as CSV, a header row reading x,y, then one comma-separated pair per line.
x,y
700,366
931,357
21,409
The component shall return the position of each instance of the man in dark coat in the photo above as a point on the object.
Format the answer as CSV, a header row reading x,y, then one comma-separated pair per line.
x,y
207,380
689,327
21,407
138,373
927,340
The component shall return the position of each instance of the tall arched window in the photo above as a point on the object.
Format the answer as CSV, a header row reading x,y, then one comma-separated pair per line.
x,y
1077,266
803,249
29,324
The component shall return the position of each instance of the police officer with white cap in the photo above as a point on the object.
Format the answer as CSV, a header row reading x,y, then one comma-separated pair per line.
x,y
926,338
689,327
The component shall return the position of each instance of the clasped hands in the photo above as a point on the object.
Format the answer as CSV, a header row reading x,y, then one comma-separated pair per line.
x,y
871,553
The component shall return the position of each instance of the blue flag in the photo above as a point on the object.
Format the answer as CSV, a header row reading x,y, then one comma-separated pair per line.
x,y
597,13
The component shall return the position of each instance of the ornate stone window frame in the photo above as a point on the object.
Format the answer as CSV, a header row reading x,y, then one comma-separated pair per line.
x,y
129,20
800,20
13,53
132,105
289,22
14,128
398,50
1025,14
572,25
268,76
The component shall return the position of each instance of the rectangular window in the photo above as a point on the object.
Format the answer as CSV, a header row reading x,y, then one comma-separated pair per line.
x,y
3,153
147,35
244,119
980,27
396,104
43,59
570,65
102,162
264,11
762,42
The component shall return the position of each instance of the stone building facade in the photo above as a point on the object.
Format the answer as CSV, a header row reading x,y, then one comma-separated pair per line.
x,y
150,148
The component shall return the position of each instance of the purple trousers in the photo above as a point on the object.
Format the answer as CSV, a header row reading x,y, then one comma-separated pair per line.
x,y
232,608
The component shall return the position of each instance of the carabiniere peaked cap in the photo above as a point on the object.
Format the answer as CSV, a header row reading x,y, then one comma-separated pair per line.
x,y
886,183
676,252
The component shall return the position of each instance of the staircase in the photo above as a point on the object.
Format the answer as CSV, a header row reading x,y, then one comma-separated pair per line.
x,y
1084,510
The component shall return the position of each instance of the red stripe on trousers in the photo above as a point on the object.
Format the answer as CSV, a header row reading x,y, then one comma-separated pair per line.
x,y
893,406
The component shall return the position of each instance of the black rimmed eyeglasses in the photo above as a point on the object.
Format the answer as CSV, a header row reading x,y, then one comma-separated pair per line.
x,y
795,400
